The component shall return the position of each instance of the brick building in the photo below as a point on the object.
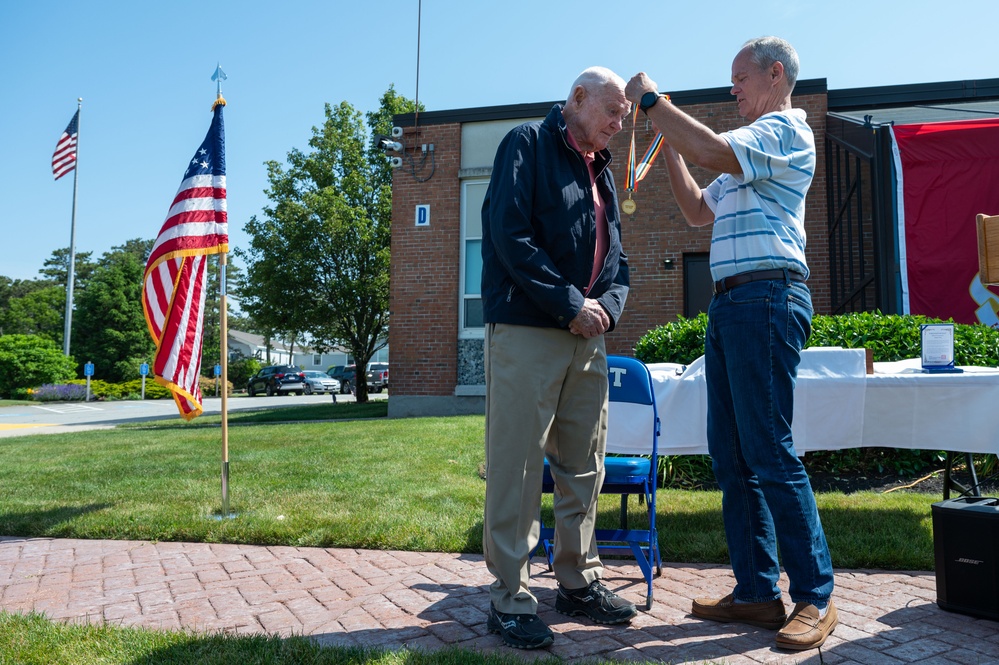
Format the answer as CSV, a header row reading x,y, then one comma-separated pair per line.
x,y
436,331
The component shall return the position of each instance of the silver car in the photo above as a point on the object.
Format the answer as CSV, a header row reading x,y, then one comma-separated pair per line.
x,y
320,382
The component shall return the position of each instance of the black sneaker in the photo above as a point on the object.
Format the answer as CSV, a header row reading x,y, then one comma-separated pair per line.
x,y
520,631
596,602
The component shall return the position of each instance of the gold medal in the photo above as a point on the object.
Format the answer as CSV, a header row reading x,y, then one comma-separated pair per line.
x,y
637,171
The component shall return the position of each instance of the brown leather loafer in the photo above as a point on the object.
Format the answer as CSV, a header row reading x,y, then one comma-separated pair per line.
x,y
804,629
764,615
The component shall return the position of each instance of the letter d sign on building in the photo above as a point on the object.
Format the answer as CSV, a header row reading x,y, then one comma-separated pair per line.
x,y
423,215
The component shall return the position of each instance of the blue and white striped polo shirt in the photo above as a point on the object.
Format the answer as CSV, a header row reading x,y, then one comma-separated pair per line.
x,y
760,215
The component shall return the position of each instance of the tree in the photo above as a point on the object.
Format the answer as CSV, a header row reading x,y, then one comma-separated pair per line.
x,y
38,306
18,288
39,312
138,248
57,269
6,292
30,306
211,344
318,262
109,328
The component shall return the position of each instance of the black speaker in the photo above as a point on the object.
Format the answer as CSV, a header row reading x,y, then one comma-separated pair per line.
x,y
966,552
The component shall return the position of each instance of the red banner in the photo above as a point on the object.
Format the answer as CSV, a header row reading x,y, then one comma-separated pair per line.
x,y
949,172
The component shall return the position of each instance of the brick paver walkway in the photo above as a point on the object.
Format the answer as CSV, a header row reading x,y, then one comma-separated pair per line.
x,y
427,601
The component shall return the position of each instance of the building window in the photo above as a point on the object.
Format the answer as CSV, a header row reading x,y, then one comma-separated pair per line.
x,y
317,360
473,192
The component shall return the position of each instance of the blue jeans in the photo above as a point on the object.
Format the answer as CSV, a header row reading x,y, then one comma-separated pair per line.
x,y
751,355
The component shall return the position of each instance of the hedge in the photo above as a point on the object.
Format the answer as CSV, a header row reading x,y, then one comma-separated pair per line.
x,y
890,337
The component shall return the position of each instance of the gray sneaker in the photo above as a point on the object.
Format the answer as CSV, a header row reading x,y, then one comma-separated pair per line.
x,y
596,602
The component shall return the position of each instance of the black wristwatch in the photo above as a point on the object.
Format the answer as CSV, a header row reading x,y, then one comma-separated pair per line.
x,y
648,100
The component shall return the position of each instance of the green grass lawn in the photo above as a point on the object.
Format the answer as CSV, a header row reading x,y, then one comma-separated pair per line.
x,y
369,483
355,481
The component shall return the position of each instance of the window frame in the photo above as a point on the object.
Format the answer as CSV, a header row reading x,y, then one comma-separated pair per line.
x,y
465,331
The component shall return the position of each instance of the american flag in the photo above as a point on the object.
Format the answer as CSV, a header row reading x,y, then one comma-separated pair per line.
x,y
173,289
64,157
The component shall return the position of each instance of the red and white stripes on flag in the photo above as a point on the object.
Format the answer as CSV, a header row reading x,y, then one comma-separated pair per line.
x,y
64,157
173,289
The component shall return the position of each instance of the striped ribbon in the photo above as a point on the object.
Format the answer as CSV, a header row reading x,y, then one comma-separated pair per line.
x,y
636,172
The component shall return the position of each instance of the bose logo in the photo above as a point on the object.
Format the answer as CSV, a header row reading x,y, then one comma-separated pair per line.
x,y
973,562
618,372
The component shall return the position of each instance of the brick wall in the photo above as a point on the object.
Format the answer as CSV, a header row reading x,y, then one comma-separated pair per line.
x,y
425,261
658,230
423,325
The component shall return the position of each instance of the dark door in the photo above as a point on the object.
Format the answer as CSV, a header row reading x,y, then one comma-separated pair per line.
x,y
697,289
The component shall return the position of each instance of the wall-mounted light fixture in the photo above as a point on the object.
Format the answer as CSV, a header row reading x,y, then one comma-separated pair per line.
x,y
668,264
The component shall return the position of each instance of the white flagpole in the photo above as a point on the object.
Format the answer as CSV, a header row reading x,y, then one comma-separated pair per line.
x,y
72,240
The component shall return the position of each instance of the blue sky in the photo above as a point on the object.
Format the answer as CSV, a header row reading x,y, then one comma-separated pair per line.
x,y
144,73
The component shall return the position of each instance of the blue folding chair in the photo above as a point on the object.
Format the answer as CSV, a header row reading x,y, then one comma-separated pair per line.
x,y
630,468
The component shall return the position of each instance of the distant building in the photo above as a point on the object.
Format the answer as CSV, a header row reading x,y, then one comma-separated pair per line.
x,y
249,345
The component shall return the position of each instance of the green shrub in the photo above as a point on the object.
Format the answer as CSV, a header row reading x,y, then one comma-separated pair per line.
x,y
894,337
208,386
105,390
101,389
29,361
21,394
679,342
901,462
890,337
240,371
134,387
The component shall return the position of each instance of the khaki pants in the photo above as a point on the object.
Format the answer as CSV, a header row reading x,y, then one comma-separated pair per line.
x,y
546,395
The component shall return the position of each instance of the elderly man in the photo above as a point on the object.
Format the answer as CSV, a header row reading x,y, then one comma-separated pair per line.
x,y
758,321
554,280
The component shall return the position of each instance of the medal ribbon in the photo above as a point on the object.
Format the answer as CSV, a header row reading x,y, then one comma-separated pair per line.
x,y
637,172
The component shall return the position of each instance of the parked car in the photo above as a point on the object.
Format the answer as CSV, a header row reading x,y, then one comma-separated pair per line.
x,y
320,382
378,376
345,375
276,380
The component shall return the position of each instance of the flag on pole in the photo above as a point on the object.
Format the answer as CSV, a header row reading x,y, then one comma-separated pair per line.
x,y
64,157
173,288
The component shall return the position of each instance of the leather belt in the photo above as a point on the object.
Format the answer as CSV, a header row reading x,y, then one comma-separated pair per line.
x,y
723,285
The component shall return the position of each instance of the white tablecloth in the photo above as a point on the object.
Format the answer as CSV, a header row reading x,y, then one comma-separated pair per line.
x,y
837,406
906,408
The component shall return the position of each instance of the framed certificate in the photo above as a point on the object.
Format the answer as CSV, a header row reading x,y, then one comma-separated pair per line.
x,y
938,347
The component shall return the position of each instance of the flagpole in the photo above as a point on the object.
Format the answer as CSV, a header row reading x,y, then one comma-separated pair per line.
x,y
70,278
218,77
224,352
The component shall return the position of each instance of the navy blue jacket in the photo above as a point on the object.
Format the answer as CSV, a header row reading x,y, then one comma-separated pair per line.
x,y
539,231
